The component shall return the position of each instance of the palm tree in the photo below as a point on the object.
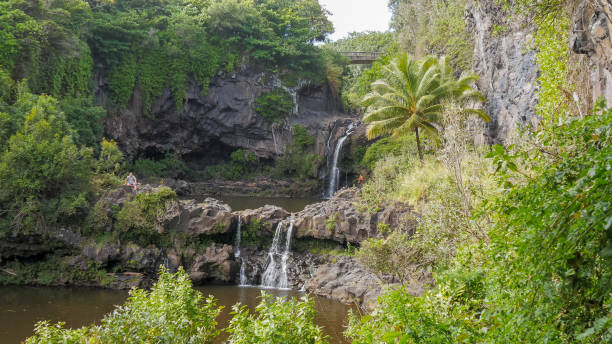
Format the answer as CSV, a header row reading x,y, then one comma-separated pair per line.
x,y
408,97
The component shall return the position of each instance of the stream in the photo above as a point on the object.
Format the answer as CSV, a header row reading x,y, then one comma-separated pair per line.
x,y
22,307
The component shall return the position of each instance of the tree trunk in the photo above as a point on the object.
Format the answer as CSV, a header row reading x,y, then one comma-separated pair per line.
x,y
418,142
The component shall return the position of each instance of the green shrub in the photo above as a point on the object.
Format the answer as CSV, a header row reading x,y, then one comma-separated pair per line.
x,y
388,146
331,222
168,167
86,120
276,321
301,138
44,176
111,158
140,220
251,234
275,105
172,312
242,164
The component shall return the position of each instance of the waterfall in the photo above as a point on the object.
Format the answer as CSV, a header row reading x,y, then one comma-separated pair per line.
x,y
164,258
237,238
244,281
284,283
237,254
275,275
334,171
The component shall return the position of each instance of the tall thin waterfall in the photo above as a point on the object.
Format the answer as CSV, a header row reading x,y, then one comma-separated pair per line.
x,y
237,238
237,254
275,275
334,171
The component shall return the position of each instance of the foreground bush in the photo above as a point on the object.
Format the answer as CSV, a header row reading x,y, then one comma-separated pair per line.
x,y
277,321
543,274
172,312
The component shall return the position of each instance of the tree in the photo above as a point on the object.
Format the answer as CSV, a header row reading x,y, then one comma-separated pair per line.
x,y
409,97
44,175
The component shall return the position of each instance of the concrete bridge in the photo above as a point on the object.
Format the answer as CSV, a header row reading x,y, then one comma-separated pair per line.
x,y
361,57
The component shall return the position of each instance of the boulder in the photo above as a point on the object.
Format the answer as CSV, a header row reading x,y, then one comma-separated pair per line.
x,y
208,217
339,219
346,281
216,265
127,280
102,254
268,216
138,258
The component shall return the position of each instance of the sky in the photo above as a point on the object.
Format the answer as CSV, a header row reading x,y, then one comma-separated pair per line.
x,y
357,15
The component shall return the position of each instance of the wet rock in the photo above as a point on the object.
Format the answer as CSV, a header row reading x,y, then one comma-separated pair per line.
x,y
103,253
27,246
592,36
173,260
339,219
138,258
268,216
208,217
127,280
346,281
181,187
216,265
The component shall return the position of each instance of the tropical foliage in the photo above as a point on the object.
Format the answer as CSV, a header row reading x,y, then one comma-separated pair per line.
x,y
409,97
171,312
276,321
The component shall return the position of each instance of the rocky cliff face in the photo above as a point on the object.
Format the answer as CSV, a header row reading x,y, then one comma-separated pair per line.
x,y
207,128
592,36
507,69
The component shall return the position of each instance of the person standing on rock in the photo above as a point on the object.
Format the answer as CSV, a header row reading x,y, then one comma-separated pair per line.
x,y
131,181
360,180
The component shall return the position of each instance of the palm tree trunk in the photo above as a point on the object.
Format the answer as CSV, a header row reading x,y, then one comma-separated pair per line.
x,y
418,142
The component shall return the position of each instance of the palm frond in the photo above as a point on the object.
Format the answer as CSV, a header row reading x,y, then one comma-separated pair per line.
x,y
483,115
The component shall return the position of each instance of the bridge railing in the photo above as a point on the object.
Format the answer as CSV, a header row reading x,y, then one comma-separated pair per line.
x,y
364,54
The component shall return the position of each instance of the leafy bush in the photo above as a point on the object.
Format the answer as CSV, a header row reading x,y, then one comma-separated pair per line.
x,y
445,314
85,119
276,321
140,220
388,146
242,164
275,105
172,312
301,138
111,158
44,176
252,233
169,167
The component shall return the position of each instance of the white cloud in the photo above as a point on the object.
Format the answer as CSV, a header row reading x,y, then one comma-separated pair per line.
x,y
357,15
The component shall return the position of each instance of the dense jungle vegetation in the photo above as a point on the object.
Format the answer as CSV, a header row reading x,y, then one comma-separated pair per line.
x,y
514,241
54,159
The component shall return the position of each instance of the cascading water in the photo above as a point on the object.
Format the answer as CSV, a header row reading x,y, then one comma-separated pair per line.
x,y
275,275
334,171
284,282
237,238
237,254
